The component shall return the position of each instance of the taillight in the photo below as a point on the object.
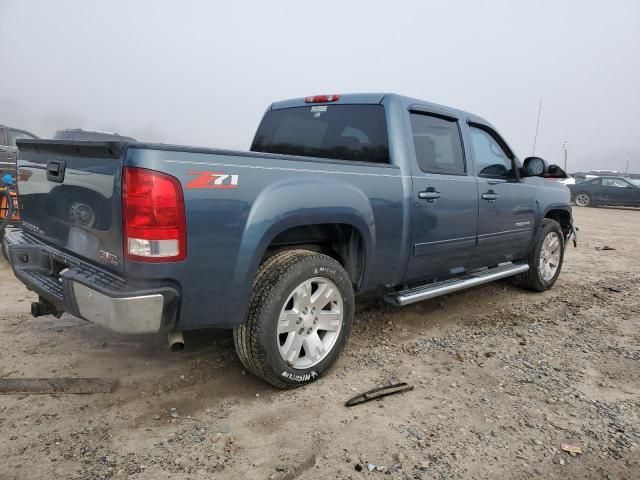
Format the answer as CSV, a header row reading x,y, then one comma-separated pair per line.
x,y
155,227
322,98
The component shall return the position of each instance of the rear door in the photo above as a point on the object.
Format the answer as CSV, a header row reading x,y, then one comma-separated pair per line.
x,y
445,197
619,191
507,208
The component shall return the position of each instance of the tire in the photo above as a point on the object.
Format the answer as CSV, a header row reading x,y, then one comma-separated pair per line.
x,y
538,278
3,250
277,321
583,199
7,200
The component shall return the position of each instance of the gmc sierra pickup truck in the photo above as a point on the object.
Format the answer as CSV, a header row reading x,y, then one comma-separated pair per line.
x,y
339,195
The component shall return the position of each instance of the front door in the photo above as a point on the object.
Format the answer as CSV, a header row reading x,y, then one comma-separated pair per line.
x,y
507,207
445,199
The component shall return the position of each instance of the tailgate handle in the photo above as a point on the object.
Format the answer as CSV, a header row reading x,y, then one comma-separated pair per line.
x,y
55,170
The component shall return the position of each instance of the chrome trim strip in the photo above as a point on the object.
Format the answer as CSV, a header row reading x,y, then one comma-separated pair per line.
x,y
448,240
504,231
286,169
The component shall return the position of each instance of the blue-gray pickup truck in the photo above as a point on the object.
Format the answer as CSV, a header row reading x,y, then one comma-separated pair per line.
x,y
339,195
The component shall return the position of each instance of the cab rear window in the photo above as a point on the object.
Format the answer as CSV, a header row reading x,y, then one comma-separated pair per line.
x,y
342,132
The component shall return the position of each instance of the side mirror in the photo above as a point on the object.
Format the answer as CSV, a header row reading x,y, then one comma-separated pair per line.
x,y
535,167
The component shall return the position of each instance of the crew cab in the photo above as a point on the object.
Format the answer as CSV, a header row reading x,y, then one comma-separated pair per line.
x,y
339,195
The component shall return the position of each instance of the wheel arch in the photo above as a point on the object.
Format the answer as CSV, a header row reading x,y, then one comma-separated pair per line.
x,y
295,215
562,215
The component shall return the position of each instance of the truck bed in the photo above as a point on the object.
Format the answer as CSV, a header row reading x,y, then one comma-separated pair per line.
x,y
233,202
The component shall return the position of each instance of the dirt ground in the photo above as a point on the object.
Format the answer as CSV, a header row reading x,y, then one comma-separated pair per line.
x,y
501,376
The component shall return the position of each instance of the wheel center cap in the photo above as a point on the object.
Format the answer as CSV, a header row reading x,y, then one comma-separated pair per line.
x,y
308,321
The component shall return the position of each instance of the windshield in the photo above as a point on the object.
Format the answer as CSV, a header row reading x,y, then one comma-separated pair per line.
x,y
345,132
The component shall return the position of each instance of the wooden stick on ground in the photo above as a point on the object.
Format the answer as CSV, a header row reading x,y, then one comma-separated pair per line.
x,y
57,385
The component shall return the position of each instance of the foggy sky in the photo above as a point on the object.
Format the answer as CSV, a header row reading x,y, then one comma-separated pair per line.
x,y
203,72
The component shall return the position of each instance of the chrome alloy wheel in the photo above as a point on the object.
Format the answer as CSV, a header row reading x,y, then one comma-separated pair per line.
x,y
582,200
550,256
310,323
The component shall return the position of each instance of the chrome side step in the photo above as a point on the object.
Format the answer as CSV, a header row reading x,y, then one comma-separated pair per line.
x,y
405,297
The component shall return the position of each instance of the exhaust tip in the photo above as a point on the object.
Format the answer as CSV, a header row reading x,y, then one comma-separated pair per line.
x,y
176,341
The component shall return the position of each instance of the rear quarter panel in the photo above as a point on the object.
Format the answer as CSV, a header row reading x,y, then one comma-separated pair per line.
x,y
230,226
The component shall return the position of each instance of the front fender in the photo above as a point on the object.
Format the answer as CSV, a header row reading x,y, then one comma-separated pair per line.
x,y
292,203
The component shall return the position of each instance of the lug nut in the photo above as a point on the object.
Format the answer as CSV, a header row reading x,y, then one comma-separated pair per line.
x,y
315,321
309,332
301,331
305,310
299,320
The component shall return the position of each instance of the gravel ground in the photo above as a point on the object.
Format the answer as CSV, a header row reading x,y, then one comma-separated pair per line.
x,y
502,377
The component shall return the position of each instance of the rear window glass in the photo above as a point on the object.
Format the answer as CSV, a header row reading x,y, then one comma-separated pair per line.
x,y
343,132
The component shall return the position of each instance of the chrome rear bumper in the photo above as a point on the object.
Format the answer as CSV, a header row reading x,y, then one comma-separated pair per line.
x,y
83,290
142,314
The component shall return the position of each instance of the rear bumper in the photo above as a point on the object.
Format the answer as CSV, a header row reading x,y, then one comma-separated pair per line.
x,y
88,292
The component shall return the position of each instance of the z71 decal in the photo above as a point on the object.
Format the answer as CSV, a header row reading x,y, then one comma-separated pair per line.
x,y
213,180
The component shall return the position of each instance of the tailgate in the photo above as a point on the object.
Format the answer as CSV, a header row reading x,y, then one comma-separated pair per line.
x,y
69,195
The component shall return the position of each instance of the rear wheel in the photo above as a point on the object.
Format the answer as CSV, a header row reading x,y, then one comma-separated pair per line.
x,y
300,314
545,260
583,199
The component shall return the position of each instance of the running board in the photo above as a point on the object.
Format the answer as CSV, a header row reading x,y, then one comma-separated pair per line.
x,y
405,297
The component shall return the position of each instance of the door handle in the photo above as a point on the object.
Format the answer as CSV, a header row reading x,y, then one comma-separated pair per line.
x,y
430,195
490,196
55,170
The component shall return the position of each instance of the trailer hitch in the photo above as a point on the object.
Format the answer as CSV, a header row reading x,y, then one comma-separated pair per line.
x,y
45,307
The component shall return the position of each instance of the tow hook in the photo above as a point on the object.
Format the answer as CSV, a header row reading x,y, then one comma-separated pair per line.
x,y
44,307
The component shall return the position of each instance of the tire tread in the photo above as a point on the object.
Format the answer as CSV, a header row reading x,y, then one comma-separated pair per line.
x,y
531,279
246,336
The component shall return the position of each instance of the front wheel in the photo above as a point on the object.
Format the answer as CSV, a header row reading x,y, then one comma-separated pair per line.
x,y
583,199
545,260
300,314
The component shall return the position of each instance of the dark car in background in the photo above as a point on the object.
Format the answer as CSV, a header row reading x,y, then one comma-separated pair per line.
x,y
8,148
612,190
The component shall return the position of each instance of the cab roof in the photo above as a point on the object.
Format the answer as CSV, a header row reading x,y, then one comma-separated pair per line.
x,y
377,98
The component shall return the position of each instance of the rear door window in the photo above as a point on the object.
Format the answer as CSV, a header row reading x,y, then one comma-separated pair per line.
x,y
342,132
614,182
437,144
